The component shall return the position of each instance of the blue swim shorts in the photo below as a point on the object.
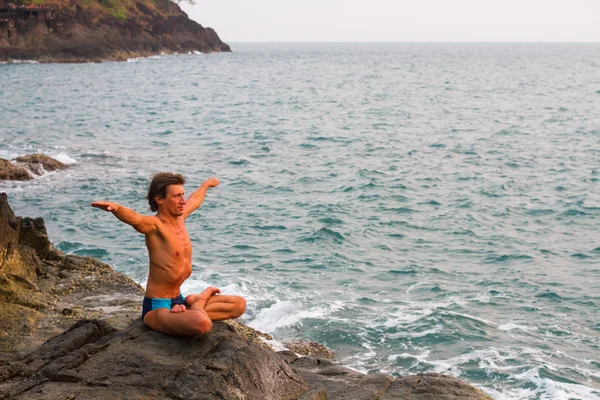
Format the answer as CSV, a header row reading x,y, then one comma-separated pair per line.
x,y
154,303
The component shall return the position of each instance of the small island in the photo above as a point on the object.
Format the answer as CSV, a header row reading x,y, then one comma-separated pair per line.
x,y
99,30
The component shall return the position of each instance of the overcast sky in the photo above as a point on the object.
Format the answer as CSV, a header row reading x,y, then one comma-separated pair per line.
x,y
400,20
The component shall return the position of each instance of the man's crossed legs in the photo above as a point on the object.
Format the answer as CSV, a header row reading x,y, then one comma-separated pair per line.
x,y
197,317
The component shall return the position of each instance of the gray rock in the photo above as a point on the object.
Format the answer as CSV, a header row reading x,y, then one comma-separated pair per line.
x,y
339,382
139,363
431,387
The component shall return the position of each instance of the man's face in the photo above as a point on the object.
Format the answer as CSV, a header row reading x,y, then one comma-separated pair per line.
x,y
174,202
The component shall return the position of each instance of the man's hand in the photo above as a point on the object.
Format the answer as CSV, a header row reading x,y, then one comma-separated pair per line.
x,y
211,182
209,292
106,206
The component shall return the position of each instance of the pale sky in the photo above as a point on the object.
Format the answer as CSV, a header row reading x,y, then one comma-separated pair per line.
x,y
400,20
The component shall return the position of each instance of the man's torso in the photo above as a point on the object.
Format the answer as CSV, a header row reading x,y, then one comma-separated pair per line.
x,y
170,251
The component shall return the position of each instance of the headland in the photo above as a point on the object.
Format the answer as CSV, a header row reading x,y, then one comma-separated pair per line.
x,y
99,30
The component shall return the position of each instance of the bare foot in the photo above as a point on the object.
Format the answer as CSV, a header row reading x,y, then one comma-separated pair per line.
x,y
177,308
198,301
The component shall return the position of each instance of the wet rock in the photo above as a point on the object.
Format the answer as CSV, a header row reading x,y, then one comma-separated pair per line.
x,y
11,172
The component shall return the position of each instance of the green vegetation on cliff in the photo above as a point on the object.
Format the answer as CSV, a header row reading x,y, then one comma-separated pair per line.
x,y
122,9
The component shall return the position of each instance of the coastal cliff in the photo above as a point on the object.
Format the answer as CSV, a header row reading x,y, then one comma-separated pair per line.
x,y
99,30
106,352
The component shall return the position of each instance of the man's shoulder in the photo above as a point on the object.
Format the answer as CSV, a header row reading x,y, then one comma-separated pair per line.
x,y
152,224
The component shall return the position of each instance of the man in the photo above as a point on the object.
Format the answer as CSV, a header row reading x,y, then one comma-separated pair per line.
x,y
170,249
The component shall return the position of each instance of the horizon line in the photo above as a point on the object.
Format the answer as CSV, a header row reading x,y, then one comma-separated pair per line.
x,y
414,41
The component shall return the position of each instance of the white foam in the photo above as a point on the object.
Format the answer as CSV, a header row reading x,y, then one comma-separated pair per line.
x,y
419,358
412,335
496,360
65,158
483,321
283,314
138,59
510,326
407,317
554,390
508,394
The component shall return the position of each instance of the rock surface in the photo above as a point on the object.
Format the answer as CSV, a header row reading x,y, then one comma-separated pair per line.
x,y
111,354
93,361
104,30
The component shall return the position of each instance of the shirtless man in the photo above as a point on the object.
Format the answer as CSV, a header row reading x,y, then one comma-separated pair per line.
x,y
170,249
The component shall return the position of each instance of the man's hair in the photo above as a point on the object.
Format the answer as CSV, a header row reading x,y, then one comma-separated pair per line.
x,y
159,186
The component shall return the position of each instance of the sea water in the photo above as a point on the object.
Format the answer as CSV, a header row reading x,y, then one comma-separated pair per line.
x,y
414,207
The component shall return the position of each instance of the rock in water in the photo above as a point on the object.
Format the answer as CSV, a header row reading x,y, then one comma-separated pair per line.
x,y
28,167
48,163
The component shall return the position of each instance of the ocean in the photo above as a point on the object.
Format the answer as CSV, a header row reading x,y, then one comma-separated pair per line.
x,y
414,207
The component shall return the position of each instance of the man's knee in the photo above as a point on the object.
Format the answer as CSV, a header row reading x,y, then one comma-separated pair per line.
x,y
201,324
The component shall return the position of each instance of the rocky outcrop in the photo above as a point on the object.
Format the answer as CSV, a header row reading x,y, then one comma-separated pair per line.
x,y
103,30
93,361
42,291
110,354
27,167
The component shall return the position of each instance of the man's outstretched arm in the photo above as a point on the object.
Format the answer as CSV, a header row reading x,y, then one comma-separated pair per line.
x,y
196,199
141,223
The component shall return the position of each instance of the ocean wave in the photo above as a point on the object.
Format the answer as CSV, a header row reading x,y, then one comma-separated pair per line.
x,y
286,314
323,235
64,158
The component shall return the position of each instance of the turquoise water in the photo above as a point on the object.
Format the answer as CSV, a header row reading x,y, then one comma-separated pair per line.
x,y
414,207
